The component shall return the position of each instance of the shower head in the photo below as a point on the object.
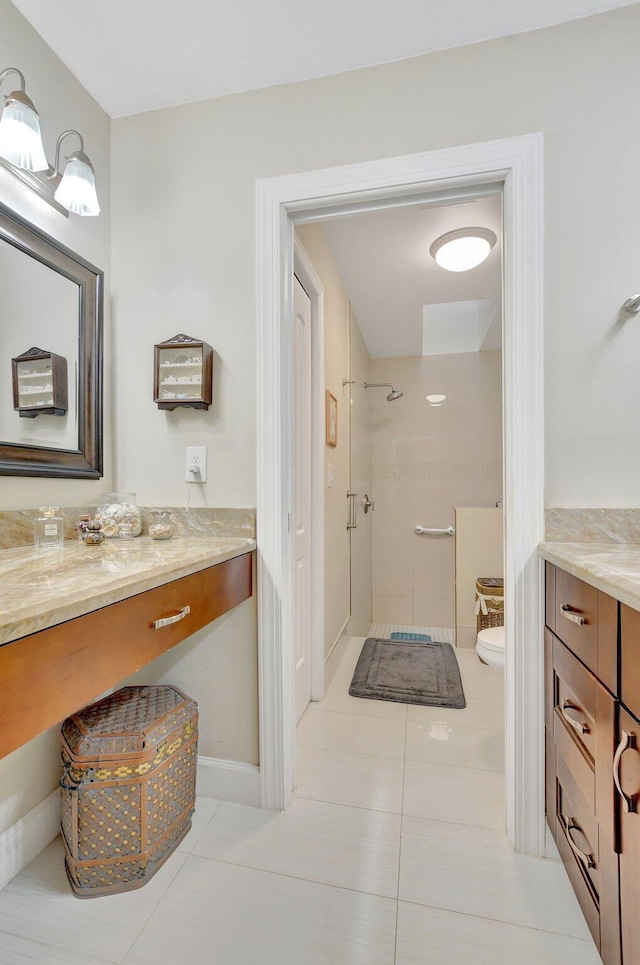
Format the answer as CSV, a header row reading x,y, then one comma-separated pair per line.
x,y
393,395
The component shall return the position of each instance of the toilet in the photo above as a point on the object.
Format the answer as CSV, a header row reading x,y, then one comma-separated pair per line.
x,y
490,647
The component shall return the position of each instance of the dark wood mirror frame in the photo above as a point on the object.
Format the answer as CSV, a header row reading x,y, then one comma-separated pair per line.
x,y
86,461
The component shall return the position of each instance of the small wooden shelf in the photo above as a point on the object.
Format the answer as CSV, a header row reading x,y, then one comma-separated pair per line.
x,y
39,384
183,373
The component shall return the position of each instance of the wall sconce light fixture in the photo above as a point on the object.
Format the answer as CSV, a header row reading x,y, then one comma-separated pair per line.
x,y
22,154
20,138
76,190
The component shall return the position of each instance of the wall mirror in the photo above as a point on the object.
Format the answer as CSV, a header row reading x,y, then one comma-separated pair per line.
x,y
51,299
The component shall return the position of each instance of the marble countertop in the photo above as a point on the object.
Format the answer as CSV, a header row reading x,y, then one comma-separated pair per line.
x,y
40,591
613,568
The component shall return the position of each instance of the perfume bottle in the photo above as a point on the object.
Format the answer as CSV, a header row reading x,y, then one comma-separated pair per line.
x,y
48,529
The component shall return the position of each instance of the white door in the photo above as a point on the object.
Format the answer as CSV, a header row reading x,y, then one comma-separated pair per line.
x,y
302,488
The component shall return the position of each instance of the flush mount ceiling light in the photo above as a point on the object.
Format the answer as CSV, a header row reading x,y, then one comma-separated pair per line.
x,y
22,155
20,138
463,249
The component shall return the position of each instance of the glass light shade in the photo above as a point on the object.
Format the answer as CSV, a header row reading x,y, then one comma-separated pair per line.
x,y
77,189
435,399
463,249
20,138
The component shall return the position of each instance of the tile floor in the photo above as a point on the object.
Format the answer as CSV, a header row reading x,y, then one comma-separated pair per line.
x,y
392,853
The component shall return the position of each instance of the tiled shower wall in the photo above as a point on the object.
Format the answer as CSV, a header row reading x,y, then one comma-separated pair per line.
x,y
426,461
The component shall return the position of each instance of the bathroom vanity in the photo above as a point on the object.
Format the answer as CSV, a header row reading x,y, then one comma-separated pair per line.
x,y
592,718
75,622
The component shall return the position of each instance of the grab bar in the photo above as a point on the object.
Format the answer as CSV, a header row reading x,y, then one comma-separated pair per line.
x,y
423,531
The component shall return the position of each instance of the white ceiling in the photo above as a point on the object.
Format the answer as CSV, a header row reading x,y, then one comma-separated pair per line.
x,y
139,55
389,276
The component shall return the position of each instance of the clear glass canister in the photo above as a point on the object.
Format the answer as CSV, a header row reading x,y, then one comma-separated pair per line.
x,y
116,510
160,526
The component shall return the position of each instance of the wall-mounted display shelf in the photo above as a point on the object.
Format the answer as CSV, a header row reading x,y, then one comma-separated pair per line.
x,y
183,373
39,384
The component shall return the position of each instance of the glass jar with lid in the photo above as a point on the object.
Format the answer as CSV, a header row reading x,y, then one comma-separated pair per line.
x,y
116,510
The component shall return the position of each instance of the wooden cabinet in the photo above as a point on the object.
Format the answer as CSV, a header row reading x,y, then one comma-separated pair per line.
x,y
51,674
183,373
39,384
627,770
581,719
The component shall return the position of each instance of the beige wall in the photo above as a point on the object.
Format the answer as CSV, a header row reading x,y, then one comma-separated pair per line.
x,y
426,461
31,773
184,234
336,368
479,548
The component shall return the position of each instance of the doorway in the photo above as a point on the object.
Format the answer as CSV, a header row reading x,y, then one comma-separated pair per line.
x,y
516,164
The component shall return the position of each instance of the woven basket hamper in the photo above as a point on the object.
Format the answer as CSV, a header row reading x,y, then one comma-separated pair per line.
x,y
128,786
489,602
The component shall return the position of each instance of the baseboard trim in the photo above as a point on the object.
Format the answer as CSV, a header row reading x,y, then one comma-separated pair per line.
x,y
338,639
25,839
231,781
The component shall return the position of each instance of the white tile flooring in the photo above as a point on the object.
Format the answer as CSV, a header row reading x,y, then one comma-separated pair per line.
x,y
392,852
384,631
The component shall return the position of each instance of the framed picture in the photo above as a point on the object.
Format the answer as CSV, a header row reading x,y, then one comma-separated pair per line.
x,y
331,418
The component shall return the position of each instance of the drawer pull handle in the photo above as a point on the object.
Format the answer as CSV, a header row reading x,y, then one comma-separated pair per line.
x,y
166,621
576,724
628,742
570,614
570,825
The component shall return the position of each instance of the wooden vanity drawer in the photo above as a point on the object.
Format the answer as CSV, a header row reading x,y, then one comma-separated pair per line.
x,y
577,760
69,665
584,734
594,872
586,620
574,698
577,838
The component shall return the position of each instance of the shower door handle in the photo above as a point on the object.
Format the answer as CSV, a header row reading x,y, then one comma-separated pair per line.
x,y
352,517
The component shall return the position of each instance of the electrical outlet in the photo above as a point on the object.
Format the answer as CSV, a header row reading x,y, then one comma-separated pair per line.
x,y
195,466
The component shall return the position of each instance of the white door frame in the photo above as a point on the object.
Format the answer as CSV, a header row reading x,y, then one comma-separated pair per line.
x,y
315,290
310,196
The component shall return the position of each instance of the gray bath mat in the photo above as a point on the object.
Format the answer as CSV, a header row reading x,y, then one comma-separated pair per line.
x,y
409,672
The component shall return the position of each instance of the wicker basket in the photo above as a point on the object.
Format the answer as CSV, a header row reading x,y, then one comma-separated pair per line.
x,y
128,787
489,602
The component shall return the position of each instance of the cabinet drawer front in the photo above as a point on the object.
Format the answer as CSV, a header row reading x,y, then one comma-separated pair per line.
x,y
576,617
578,824
597,889
69,665
576,759
575,697
630,659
